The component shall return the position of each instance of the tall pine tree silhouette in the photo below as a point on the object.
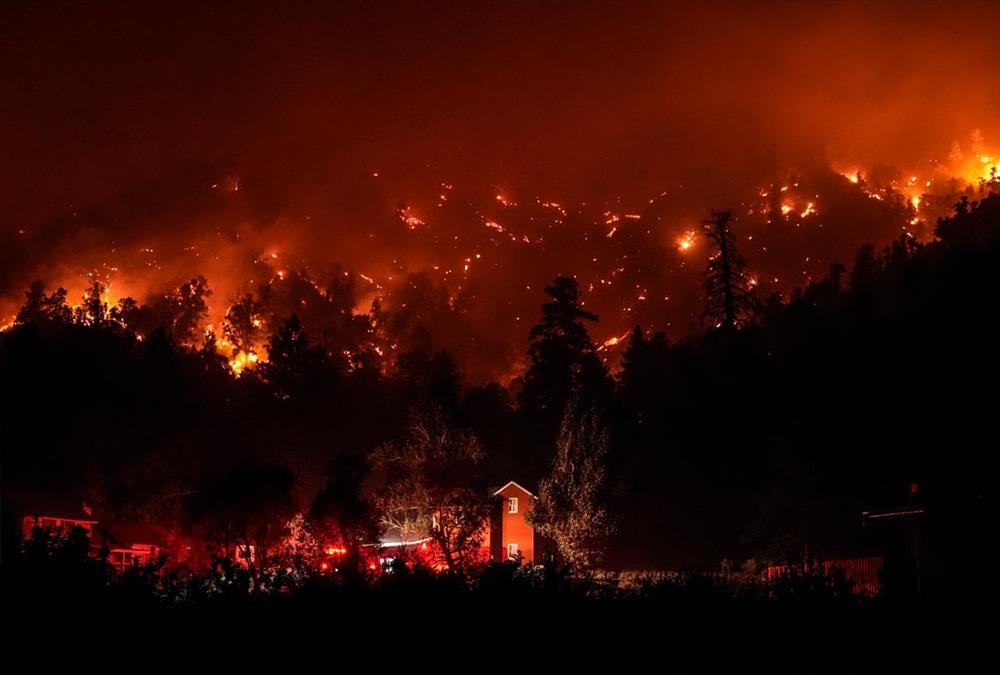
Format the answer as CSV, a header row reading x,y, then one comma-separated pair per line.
x,y
729,296
564,361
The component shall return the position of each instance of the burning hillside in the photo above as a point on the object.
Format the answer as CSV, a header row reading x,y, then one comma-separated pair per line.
x,y
455,270
413,177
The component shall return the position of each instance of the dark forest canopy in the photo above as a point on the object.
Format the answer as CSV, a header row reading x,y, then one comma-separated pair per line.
x,y
731,444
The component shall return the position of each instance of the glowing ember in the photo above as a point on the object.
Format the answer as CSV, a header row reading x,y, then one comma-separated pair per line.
x,y
409,218
613,341
686,241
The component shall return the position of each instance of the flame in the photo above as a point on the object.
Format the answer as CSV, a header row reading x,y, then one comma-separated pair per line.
x,y
243,361
686,241
960,172
612,274
612,341
410,219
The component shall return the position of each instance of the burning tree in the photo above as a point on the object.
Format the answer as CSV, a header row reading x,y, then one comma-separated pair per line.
x,y
242,326
728,285
93,311
434,488
571,507
189,309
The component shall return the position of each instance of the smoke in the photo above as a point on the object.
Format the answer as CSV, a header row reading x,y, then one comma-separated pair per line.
x,y
150,144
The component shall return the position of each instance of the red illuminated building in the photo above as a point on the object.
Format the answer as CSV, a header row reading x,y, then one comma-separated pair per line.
x,y
511,536
125,544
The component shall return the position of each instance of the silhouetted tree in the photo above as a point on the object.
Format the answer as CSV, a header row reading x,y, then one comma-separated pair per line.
x,y
564,361
212,361
973,222
124,313
643,376
340,512
93,310
571,508
33,309
431,375
292,362
730,301
865,268
40,308
192,309
434,487
246,510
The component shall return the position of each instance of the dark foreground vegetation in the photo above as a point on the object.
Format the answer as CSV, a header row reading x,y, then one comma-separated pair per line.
x,y
804,622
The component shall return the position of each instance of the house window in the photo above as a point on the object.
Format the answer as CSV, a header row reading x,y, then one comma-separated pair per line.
x,y
512,551
512,505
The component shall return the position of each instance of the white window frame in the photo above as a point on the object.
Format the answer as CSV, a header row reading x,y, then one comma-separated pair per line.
x,y
512,551
512,504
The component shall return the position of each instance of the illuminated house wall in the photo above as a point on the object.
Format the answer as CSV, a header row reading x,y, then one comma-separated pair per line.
x,y
126,544
56,525
511,534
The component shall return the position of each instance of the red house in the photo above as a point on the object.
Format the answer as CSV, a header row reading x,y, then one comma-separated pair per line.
x,y
132,544
510,533
58,517
126,544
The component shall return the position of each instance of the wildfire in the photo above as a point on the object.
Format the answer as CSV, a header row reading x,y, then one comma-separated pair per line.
x,y
612,341
503,199
409,218
686,241
601,242
242,361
